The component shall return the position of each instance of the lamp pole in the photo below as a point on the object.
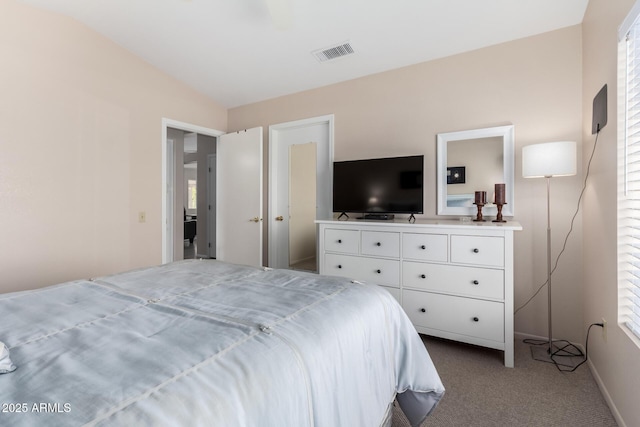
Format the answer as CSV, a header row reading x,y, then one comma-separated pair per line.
x,y
548,177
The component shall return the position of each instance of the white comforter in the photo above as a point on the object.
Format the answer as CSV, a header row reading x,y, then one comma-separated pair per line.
x,y
204,343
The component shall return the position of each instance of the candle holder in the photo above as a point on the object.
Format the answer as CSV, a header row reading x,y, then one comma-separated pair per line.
x,y
479,215
499,216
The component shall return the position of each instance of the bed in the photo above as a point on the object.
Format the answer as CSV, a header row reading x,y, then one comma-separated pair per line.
x,y
206,343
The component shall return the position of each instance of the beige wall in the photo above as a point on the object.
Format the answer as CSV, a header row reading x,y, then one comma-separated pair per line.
x,y
80,151
616,360
533,83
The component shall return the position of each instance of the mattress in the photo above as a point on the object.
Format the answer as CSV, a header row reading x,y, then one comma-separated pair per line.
x,y
207,343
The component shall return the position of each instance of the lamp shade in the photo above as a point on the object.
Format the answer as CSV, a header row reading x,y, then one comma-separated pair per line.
x,y
549,159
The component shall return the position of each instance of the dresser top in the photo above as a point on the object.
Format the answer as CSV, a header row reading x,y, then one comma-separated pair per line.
x,y
435,223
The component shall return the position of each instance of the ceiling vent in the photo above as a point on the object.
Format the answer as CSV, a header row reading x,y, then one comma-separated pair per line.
x,y
334,52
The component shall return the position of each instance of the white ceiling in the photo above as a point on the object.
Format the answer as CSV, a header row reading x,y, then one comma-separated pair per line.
x,y
232,50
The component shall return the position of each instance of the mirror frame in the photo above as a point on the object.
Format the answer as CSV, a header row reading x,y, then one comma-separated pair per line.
x,y
508,151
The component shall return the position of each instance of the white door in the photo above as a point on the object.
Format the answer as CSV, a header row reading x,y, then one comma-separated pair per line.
x,y
281,137
239,197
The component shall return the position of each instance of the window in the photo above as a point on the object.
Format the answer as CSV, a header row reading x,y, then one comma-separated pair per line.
x,y
192,194
629,175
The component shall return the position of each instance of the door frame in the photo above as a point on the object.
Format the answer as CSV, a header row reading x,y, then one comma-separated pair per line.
x,y
167,202
212,204
273,164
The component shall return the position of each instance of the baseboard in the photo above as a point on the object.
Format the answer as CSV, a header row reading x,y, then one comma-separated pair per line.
x,y
606,395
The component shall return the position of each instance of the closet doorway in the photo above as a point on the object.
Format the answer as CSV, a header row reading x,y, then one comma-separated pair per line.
x,y
300,189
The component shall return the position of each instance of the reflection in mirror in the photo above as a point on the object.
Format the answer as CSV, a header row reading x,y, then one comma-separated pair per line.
x,y
302,209
482,162
474,160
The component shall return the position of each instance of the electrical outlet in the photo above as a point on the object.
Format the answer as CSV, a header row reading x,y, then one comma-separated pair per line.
x,y
604,329
142,217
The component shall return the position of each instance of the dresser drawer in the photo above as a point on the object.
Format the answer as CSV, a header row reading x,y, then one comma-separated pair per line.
x,y
380,243
425,247
370,270
458,315
451,279
343,241
478,250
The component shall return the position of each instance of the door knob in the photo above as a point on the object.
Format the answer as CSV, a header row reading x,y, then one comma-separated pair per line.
x,y
280,218
255,219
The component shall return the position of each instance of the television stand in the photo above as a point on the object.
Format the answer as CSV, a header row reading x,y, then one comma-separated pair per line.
x,y
378,217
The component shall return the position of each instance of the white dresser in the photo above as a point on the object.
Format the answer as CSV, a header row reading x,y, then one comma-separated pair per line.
x,y
453,279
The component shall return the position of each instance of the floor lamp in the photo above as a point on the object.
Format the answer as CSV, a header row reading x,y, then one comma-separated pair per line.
x,y
547,160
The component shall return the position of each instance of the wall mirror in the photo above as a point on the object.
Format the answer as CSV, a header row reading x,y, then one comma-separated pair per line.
x,y
474,160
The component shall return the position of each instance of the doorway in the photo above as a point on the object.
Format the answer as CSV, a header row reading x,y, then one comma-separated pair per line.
x,y
190,196
200,143
302,206
294,206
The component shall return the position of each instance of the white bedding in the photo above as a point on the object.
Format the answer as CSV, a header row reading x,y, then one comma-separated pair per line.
x,y
205,343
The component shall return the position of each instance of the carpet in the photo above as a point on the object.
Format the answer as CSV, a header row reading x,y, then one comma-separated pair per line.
x,y
480,391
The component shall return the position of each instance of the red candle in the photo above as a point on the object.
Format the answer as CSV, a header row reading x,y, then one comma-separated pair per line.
x,y
500,194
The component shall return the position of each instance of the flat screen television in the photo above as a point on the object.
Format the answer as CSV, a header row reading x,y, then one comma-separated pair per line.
x,y
379,188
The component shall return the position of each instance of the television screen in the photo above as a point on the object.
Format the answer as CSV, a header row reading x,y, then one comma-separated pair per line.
x,y
379,186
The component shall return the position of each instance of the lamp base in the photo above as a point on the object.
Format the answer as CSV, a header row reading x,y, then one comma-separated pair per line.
x,y
560,356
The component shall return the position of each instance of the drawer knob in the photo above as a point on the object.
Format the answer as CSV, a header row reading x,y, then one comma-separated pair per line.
x,y
378,244
475,319
339,240
476,250
423,276
475,282
339,266
423,247
424,310
378,271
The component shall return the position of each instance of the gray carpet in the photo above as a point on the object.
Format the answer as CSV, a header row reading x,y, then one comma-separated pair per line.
x,y
480,391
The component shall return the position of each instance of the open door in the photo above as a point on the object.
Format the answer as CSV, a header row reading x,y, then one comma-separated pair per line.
x,y
239,197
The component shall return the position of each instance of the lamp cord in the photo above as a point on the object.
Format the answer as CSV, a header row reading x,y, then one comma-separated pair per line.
x,y
566,239
563,352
